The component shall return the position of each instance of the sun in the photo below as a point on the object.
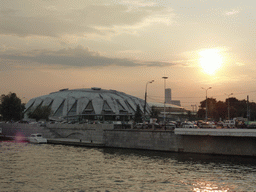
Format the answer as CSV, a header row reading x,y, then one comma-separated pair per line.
x,y
210,60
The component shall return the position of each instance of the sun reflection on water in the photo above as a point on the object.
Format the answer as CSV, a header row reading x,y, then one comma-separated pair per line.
x,y
208,187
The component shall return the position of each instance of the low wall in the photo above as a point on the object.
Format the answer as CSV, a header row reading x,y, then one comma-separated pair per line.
x,y
224,145
18,129
142,139
191,143
218,141
93,133
209,141
83,132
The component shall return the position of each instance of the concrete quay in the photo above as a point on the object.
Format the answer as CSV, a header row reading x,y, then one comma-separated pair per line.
x,y
207,141
74,142
217,132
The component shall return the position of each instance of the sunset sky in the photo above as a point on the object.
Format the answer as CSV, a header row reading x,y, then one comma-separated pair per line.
x,y
49,45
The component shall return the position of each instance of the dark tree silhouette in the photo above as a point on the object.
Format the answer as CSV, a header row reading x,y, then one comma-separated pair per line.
x,y
11,107
154,112
219,109
138,115
41,112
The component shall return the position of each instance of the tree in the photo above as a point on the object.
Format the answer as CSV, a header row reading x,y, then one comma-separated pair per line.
x,y
11,107
154,112
217,110
41,112
221,110
201,113
138,115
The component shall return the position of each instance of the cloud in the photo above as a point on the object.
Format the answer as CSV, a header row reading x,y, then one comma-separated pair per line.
x,y
233,12
240,64
77,57
90,18
139,3
39,26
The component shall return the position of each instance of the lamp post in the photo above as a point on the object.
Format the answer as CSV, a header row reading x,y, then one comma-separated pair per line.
x,y
228,105
164,95
145,104
206,102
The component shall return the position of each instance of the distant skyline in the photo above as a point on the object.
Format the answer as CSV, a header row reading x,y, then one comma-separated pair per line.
x,y
46,46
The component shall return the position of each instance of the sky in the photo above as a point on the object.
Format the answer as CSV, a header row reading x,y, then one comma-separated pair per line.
x,y
48,45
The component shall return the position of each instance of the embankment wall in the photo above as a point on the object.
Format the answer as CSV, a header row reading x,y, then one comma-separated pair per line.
x,y
209,141
84,132
22,130
170,141
142,139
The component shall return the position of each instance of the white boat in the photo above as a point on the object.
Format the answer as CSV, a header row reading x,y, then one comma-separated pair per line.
x,y
37,138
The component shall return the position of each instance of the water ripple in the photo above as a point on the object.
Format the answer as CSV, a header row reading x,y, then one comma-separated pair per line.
x,y
26,167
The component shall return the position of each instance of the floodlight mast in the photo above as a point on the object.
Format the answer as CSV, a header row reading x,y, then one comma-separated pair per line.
x,y
145,104
206,107
228,105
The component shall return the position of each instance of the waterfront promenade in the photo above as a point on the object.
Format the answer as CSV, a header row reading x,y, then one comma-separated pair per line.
x,y
207,141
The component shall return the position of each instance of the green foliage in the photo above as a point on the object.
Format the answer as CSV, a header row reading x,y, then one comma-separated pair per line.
x,y
219,109
154,112
138,115
41,112
11,107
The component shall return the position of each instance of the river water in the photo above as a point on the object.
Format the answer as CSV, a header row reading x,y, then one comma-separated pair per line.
x,y
28,167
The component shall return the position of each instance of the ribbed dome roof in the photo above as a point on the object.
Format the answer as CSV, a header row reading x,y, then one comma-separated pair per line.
x,y
93,101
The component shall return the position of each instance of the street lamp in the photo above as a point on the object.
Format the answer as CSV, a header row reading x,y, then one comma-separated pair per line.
x,y
164,95
146,98
228,104
206,102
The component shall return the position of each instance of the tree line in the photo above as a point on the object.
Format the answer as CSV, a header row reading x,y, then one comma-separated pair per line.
x,y
12,109
219,109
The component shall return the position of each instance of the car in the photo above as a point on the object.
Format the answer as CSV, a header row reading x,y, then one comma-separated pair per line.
x,y
220,124
208,125
139,125
171,126
188,125
252,126
229,123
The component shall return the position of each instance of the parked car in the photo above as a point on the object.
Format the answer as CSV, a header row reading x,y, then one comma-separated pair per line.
x,y
138,126
171,126
188,125
252,126
229,124
220,124
208,125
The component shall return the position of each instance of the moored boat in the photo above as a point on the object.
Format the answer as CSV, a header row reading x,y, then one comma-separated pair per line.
x,y
37,138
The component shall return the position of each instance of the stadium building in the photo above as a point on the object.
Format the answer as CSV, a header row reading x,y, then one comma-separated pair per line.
x,y
88,104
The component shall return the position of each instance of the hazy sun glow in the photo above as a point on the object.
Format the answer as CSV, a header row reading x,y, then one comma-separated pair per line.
x,y
210,60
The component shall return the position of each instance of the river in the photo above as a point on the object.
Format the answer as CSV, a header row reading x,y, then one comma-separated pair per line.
x,y
28,167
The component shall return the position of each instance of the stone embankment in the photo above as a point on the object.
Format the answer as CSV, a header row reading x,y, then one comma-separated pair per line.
x,y
209,141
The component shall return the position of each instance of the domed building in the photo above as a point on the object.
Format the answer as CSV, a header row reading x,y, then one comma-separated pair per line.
x,y
91,104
